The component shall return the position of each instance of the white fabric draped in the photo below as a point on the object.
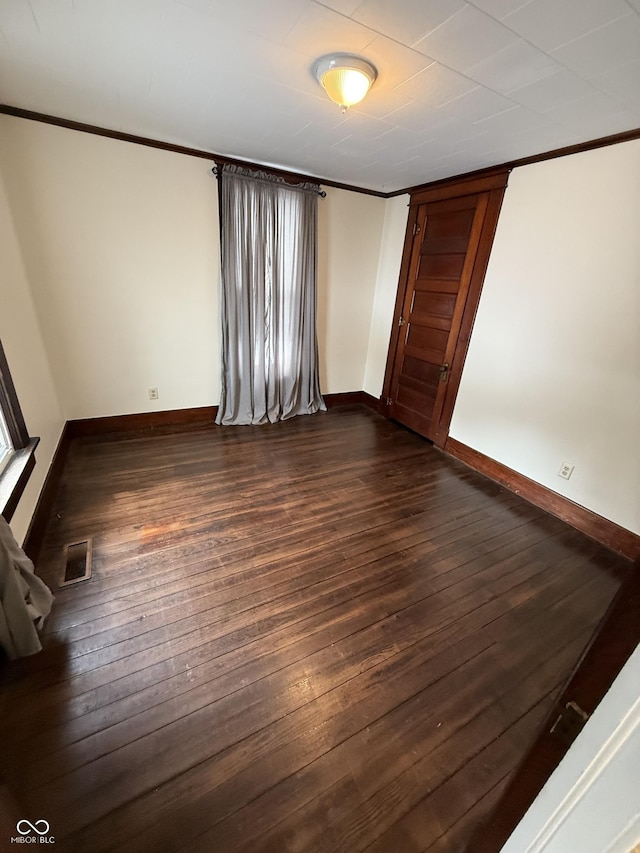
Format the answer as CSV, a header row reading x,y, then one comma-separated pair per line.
x,y
25,600
269,259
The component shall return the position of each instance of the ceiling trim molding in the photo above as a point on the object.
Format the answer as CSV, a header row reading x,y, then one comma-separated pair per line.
x,y
578,148
296,177
292,177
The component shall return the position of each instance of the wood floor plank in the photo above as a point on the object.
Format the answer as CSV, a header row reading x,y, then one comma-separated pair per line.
x,y
265,583
157,706
262,757
318,635
101,658
200,697
395,597
402,730
316,632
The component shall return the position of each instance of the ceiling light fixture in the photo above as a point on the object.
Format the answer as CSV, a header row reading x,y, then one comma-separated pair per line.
x,y
345,78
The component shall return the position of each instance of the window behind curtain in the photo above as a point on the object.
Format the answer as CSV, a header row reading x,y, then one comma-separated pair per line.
x,y
13,431
269,258
5,442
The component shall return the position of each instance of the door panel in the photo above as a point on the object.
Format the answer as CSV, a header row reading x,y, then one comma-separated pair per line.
x,y
423,338
416,396
436,285
436,265
438,304
421,371
444,262
445,250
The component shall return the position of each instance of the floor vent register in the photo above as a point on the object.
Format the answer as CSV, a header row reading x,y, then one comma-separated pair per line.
x,y
77,563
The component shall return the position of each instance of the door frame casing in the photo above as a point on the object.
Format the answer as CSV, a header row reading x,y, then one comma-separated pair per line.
x,y
495,185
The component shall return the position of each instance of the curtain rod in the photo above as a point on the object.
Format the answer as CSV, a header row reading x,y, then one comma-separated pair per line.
x,y
303,186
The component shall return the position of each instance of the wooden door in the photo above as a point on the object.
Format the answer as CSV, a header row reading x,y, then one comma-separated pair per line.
x,y
446,252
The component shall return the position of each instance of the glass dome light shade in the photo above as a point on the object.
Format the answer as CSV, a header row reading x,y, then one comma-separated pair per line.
x,y
346,79
346,86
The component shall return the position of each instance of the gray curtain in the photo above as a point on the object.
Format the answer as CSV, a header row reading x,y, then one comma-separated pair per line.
x,y
269,259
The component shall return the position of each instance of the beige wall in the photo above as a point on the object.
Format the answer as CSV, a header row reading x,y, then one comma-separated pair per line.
x,y
553,370
121,247
350,227
22,342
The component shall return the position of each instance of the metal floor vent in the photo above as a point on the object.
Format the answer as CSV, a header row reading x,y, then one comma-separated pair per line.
x,y
77,563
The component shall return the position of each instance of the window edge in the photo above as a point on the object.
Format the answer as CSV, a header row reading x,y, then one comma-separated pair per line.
x,y
15,476
10,406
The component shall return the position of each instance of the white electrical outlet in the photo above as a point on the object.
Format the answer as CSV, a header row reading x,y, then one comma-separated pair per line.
x,y
566,470
153,393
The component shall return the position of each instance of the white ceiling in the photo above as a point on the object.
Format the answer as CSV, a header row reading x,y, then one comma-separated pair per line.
x,y
461,85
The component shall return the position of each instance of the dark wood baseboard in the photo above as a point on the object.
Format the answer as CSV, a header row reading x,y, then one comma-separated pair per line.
x,y
180,417
141,421
374,403
35,533
352,398
346,398
606,532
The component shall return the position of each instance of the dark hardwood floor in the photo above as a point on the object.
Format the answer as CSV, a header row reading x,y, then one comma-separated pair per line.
x,y
317,635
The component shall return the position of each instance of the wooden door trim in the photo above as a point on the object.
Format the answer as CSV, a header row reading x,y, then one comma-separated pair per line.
x,y
453,346
397,311
471,186
403,307
485,245
611,645
495,185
